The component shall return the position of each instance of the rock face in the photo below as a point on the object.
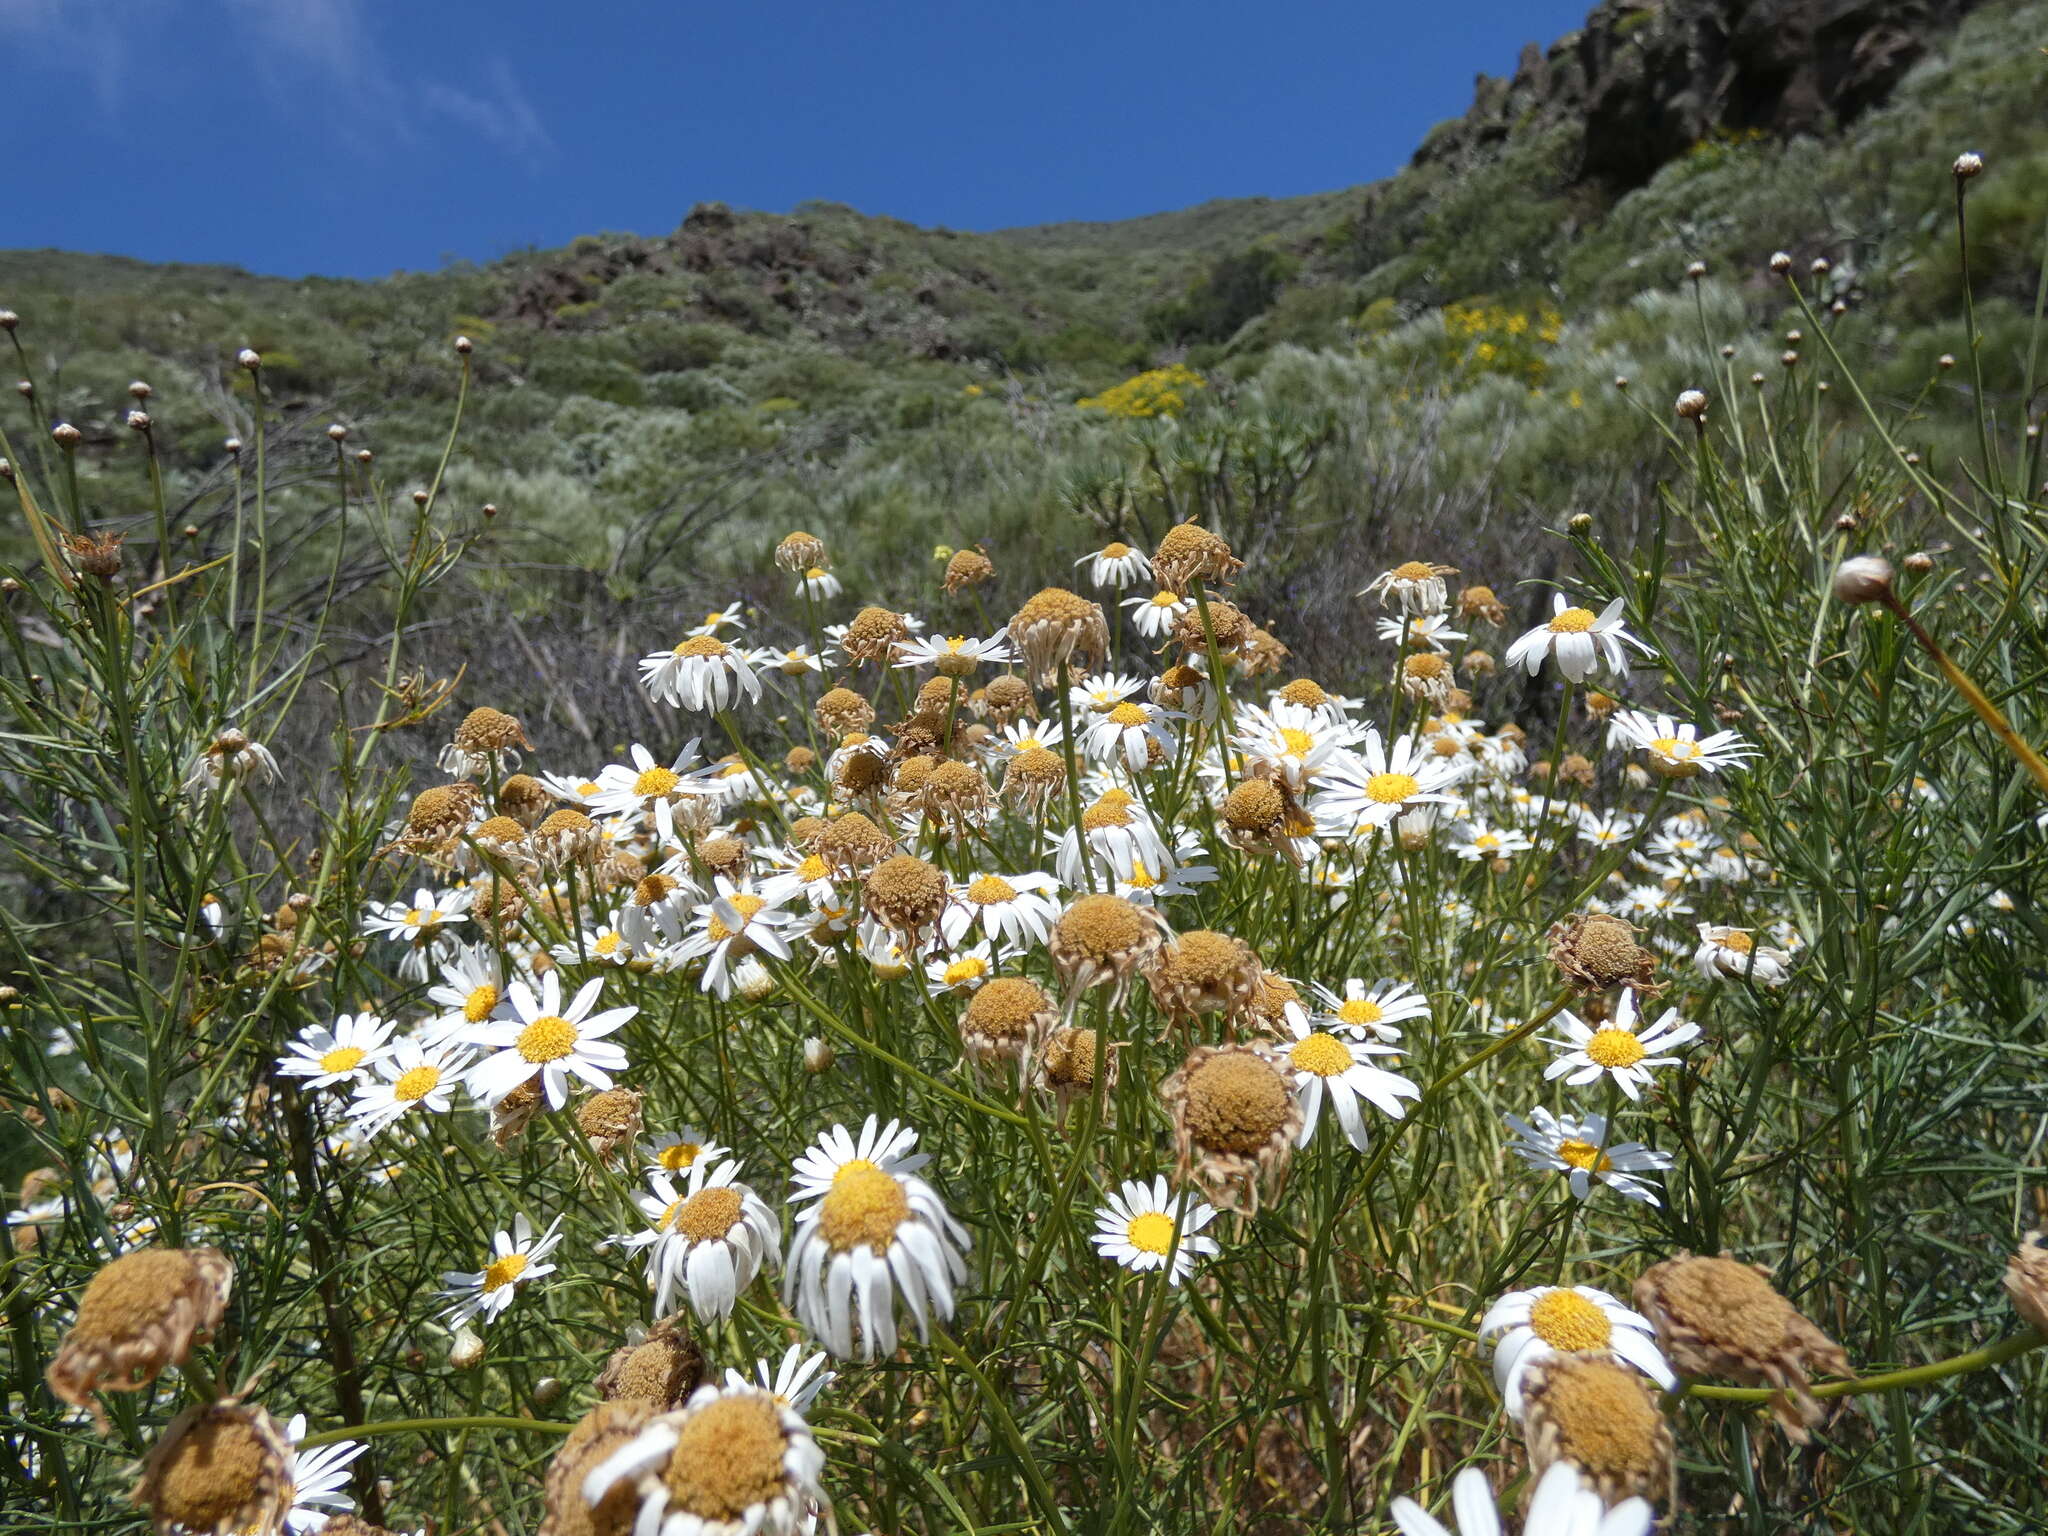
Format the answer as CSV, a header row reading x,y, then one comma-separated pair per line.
x,y
1645,80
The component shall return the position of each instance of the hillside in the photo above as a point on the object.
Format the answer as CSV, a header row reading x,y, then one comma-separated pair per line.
x,y
649,411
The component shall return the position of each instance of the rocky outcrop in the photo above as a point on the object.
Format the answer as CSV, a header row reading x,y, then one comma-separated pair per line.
x,y
1645,80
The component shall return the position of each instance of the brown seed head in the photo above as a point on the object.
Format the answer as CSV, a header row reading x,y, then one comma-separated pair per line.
x,y
1602,1417
874,635
800,552
1190,553
968,568
1006,697
663,1370
140,1313
852,844
219,1469
1058,626
842,712
728,1457
1306,692
600,1433
2026,1280
440,812
1480,603
1204,972
485,730
905,894
1232,629
1596,951
1255,806
610,1119
725,856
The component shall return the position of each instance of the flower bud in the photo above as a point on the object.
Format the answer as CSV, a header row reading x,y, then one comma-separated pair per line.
x,y
464,346
1789,358
1821,266
1968,164
140,390
818,1056
249,358
1692,405
1621,381
337,433
466,1352
1863,579
1727,351
490,509
1919,562
419,498
1696,270
1581,523
8,319
26,389
363,455
138,421
233,445
1945,361
1781,262
65,435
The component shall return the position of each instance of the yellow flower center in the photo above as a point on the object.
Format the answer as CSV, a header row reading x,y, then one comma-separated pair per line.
x,y
1127,715
1564,1319
1164,600
1739,943
702,645
812,869
1615,1048
589,787
1115,551
1390,788
548,1038
1298,743
680,1156
1673,746
744,903
814,573
1142,878
967,968
343,1058
422,916
608,943
481,1003
864,1209
1413,570
1324,1055
1360,1010
416,1084
1150,1232
1583,1154
1573,621
707,1215
656,781
503,1272
990,890
852,1166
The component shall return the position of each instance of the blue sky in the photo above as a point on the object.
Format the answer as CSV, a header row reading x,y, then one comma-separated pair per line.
x,y
355,137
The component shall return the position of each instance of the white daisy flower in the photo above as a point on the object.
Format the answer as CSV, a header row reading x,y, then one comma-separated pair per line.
x,y
795,1383
1116,565
1422,631
1135,1228
1371,787
818,584
516,1260
728,929
1291,739
1478,841
1014,910
343,1053
1582,642
1619,1049
1154,617
415,1076
1415,586
1609,829
1103,691
873,1234
887,1147
710,1237
752,1468
702,672
795,661
1325,1066
549,1039
1527,1326
1678,751
955,655
680,1151
632,789
1725,952
1121,837
424,918
962,971
471,990
1029,736
319,1479
723,618
1562,1505
1563,1144
1132,733
603,945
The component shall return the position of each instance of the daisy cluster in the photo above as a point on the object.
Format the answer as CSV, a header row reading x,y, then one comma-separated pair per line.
x,y
1030,833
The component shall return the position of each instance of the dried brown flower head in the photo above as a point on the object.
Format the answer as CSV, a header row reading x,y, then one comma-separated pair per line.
x,y
1190,553
1426,675
1008,697
1480,603
725,856
863,772
874,635
604,1430
1602,1417
221,1469
1596,951
94,554
485,730
1034,778
1055,627
842,712
906,895
1203,971
513,1113
968,568
566,837
611,1119
2026,1280
1306,692
140,1313
1232,629
799,760
852,844
1066,1066
662,1369
1261,654
439,813
1721,1317
1234,1122
1102,938
799,551
956,794
1006,1019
